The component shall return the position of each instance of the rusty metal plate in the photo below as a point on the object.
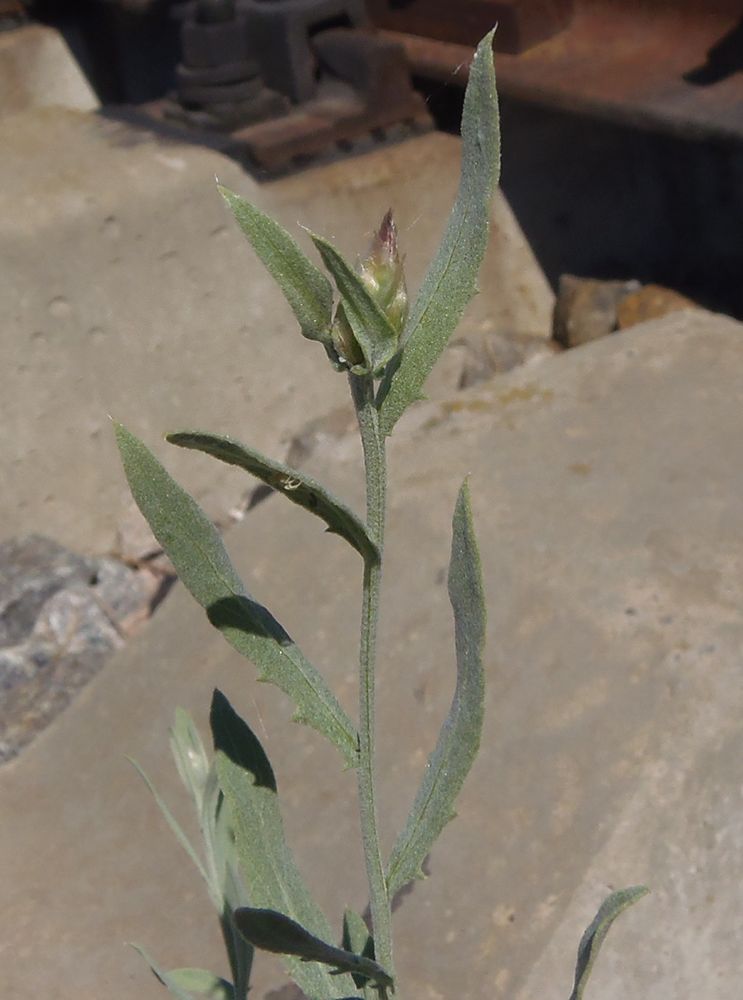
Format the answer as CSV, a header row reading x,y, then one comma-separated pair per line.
x,y
521,23
670,66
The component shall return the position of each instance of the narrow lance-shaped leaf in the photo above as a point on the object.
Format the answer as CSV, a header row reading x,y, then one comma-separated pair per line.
x,y
597,930
194,547
451,279
203,982
239,950
182,982
356,938
190,757
276,932
219,836
305,287
271,875
222,857
175,827
374,333
294,485
217,832
200,779
459,739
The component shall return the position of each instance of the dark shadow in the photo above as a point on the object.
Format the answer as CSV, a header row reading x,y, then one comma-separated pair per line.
x,y
141,127
235,739
127,51
132,126
230,935
165,585
723,60
605,200
259,494
242,614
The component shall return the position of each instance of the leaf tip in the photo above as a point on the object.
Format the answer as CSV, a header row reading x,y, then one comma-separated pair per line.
x,y
464,500
486,42
122,435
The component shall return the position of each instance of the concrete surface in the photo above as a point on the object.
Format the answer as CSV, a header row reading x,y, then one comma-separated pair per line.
x,y
607,490
38,70
127,289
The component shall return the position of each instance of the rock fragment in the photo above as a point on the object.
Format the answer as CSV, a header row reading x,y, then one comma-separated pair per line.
x,y
586,308
61,615
650,302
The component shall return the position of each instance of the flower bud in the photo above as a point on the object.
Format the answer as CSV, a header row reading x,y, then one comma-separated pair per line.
x,y
382,274
344,343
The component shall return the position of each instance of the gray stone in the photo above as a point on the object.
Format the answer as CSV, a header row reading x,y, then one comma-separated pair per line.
x,y
612,554
31,570
161,316
60,617
124,595
39,677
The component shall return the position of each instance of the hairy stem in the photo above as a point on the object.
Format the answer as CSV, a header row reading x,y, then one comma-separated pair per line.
x,y
362,390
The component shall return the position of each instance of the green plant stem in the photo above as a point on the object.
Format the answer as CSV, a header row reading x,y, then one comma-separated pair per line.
x,y
362,390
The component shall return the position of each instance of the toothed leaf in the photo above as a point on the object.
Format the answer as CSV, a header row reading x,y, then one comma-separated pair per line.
x,y
459,738
356,938
194,547
451,279
271,875
294,485
305,287
597,930
273,931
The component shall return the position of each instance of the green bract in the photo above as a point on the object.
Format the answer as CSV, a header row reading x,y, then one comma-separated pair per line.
x,y
387,351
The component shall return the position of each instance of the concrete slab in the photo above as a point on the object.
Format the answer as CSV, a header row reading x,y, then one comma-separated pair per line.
x,y
127,289
606,487
38,70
